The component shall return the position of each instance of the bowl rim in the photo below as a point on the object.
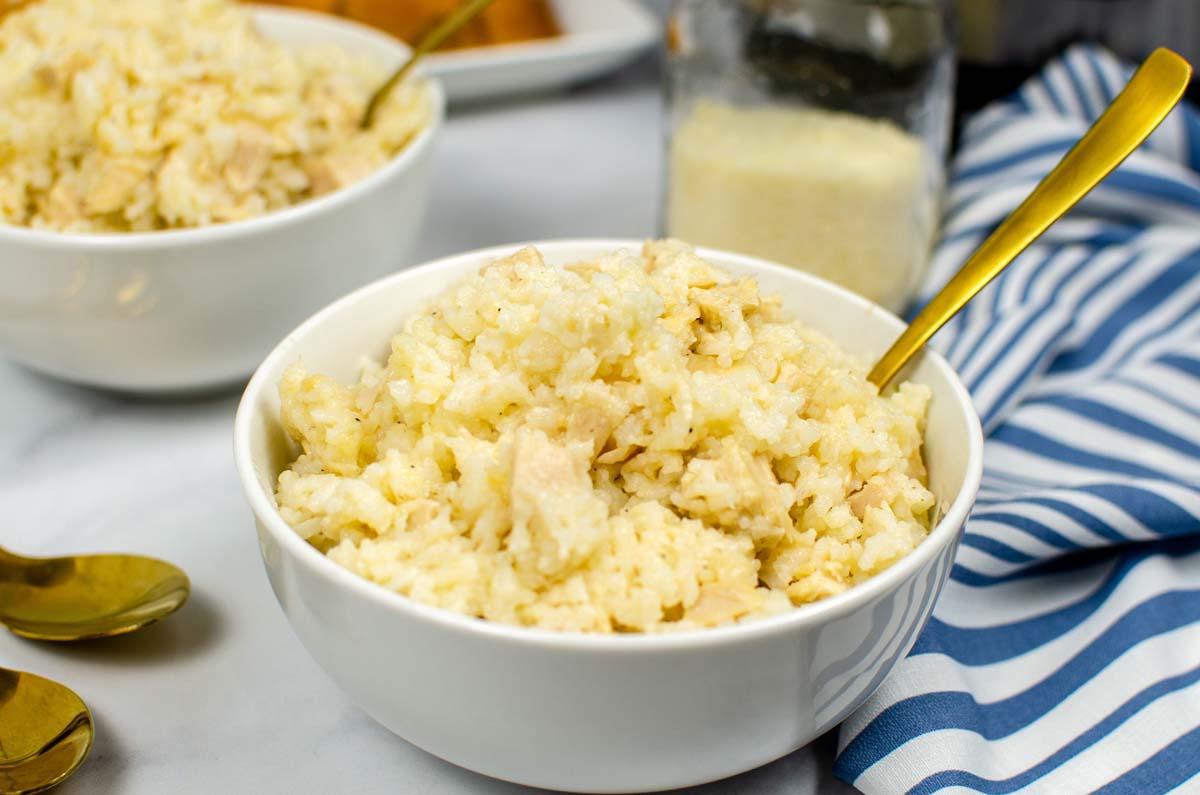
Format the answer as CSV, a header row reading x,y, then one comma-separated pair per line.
x,y
943,534
274,219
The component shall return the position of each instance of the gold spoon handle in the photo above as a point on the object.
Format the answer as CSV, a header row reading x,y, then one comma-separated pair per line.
x,y
432,40
1154,89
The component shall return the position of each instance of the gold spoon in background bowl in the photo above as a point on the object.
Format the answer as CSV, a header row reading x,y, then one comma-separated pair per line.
x,y
1151,93
430,42
45,732
86,596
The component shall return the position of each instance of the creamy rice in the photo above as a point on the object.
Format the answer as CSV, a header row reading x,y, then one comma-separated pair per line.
x,y
139,115
637,443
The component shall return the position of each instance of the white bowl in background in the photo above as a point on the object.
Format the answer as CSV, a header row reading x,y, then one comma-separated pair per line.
x,y
197,308
625,713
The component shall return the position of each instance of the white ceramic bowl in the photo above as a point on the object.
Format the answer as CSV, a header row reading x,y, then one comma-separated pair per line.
x,y
625,713
197,308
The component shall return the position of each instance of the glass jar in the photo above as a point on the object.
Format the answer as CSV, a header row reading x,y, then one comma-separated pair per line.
x,y
812,133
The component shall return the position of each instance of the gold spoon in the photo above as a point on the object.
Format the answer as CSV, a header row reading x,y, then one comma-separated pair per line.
x,y
1154,89
86,596
432,40
45,732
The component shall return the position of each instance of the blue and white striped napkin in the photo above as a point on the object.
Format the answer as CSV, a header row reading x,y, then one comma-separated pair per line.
x,y
1064,653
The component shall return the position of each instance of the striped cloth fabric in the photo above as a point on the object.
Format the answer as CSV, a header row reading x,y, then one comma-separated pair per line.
x,y
1064,653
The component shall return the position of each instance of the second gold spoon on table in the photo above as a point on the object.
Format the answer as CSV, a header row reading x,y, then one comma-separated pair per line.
x,y
1137,111
86,596
45,732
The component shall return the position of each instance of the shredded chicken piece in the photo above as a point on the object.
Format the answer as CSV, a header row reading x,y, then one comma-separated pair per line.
x,y
719,604
249,162
557,519
327,174
869,496
112,184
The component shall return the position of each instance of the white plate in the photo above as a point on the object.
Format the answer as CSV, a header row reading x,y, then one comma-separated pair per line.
x,y
597,37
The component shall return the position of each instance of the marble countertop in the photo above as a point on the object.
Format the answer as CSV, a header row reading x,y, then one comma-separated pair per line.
x,y
222,697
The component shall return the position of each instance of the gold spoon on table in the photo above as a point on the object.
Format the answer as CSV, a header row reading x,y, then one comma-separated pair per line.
x,y
86,596
45,732
1152,92
431,41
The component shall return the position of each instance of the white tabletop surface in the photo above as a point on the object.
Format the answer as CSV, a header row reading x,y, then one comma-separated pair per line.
x,y
222,697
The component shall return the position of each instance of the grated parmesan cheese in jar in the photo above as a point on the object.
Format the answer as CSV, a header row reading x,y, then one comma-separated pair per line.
x,y
839,195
